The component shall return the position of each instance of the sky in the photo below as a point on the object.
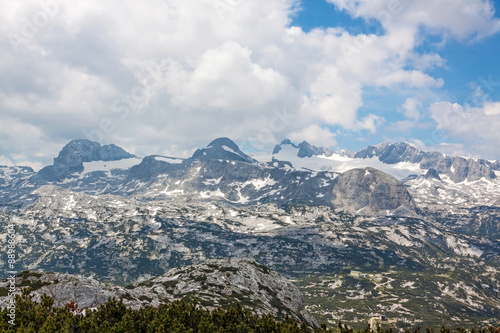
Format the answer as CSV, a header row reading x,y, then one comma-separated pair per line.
x,y
169,76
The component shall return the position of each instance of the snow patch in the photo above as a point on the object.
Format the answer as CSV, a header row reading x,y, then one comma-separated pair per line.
x,y
340,164
107,166
460,247
212,181
226,148
209,194
171,160
260,183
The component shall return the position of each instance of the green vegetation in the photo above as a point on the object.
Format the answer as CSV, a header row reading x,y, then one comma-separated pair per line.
x,y
178,316
409,299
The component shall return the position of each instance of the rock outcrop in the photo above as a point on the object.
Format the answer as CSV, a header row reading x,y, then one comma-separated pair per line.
x,y
305,149
370,191
75,153
214,283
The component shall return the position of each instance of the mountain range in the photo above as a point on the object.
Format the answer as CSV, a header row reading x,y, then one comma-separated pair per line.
x,y
415,223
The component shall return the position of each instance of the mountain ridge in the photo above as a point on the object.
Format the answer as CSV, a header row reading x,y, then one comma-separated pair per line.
x,y
457,168
75,153
220,171
409,231
286,179
222,148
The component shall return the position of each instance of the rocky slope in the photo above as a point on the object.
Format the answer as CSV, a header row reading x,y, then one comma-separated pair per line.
x,y
213,283
125,241
221,171
371,192
461,193
305,212
224,282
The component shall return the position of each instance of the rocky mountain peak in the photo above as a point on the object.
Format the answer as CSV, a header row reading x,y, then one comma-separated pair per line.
x,y
308,150
457,168
279,147
222,149
432,174
75,153
391,153
305,149
78,151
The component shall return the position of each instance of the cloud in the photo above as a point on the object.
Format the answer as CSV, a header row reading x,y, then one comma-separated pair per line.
x,y
158,75
460,19
411,108
412,78
492,108
451,149
315,135
402,125
477,127
23,135
224,78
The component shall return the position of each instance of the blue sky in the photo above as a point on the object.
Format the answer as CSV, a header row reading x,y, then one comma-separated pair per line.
x,y
169,76
467,64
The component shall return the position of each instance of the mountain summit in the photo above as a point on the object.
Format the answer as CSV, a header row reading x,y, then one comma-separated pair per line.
x,y
305,149
457,168
222,149
75,153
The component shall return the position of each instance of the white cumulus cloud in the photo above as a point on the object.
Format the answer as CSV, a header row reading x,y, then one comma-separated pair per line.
x,y
158,75
477,126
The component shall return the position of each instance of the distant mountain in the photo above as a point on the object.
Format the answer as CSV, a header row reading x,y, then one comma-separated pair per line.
x,y
75,153
15,185
222,172
398,159
457,169
10,175
224,149
324,159
297,174
437,183
304,149
233,181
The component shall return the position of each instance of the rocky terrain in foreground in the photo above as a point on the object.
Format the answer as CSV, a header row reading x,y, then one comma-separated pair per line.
x,y
213,283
